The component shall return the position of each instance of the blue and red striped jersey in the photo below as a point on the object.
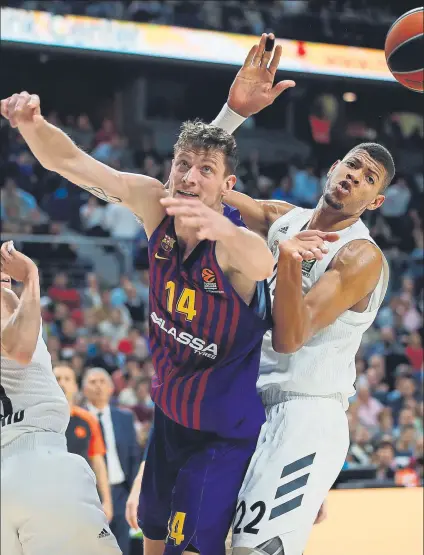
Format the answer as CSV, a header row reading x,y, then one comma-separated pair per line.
x,y
204,339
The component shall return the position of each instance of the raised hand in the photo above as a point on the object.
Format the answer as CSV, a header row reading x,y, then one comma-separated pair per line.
x,y
307,245
253,88
21,108
205,222
15,264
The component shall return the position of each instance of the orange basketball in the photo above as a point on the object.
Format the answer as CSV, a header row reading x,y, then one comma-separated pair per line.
x,y
404,49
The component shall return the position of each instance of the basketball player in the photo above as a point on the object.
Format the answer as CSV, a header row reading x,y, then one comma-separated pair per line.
x,y
321,308
49,502
208,314
84,436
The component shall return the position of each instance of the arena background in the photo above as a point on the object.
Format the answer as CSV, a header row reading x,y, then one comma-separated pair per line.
x,y
121,91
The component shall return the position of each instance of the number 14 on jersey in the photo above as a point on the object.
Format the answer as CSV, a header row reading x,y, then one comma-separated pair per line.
x,y
186,303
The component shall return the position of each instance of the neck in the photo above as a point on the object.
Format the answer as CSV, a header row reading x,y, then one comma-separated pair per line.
x,y
99,405
326,218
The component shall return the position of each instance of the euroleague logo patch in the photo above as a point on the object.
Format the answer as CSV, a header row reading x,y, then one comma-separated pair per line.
x,y
210,284
208,275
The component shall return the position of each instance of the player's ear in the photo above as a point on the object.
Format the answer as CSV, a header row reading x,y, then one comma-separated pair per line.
x,y
330,171
229,184
376,203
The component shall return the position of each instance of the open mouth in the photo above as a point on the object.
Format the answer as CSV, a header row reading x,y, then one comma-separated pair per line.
x,y
187,194
344,187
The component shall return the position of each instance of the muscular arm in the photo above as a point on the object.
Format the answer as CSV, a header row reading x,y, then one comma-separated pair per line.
x,y
57,152
243,251
353,275
258,215
99,467
24,323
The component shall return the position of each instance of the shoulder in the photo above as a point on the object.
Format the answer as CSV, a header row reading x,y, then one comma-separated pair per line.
x,y
84,414
274,209
358,257
122,412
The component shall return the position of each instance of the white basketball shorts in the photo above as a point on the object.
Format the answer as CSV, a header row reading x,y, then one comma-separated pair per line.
x,y
301,450
50,506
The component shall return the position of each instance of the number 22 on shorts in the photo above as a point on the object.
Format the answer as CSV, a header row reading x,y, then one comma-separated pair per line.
x,y
176,526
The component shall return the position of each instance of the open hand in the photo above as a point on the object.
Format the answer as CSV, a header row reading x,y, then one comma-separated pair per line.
x,y
308,245
205,222
21,109
253,88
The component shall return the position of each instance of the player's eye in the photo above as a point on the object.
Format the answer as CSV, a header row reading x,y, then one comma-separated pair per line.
x,y
350,164
370,179
207,169
183,164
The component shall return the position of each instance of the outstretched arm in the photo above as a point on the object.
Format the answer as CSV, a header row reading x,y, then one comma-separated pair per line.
x,y
57,152
19,332
353,275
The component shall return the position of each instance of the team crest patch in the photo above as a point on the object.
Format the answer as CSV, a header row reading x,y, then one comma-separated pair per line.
x,y
307,266
167,243
274,248
284,229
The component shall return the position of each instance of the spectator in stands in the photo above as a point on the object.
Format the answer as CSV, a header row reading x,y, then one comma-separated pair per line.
x,y
120,222
91,295
18,207
406,389
369,408
306,189
84,436
361,449
61,292
83,133
91,216
114,328
385,425
385,461
122,451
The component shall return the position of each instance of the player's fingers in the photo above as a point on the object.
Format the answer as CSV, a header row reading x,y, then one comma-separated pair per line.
x,y
6,250
275,61
192,221
4,111
130,515
11,105
22,101
250,56
269,47
297,256
307,254
331,237
187,211
318,253
34,101
282,86
260,51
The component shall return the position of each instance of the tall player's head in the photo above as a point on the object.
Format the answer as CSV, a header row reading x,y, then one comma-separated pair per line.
x,y
205,159
67,380
359,181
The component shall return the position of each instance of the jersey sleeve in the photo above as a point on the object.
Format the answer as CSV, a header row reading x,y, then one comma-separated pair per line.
x,y
97,444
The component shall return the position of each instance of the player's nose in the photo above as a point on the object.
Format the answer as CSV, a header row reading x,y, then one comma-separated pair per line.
x,y
353,178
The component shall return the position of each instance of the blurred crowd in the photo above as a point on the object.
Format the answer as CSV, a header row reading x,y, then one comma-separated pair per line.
x,y
361,23
88,324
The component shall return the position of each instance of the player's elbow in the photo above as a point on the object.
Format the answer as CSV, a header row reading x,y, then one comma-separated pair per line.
x,y
286,345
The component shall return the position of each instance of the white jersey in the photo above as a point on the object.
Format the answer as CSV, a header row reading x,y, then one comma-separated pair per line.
x,y
31,399
325,365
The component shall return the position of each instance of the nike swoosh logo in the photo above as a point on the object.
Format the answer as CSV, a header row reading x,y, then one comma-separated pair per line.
x,y
160,257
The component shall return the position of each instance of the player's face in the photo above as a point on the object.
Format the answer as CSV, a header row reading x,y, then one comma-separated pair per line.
x,y
5,282
354,184
201,174
66,379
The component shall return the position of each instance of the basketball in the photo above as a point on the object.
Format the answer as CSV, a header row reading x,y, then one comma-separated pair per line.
x,y
404,49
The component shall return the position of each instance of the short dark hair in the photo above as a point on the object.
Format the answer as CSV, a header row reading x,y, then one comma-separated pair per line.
x,y
199,135
380,154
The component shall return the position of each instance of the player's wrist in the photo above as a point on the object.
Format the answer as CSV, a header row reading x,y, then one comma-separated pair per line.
x,y
228,119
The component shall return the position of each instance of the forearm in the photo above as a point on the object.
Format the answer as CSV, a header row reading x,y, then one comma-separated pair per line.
x,y
20,335
228,120
248,253
57,152
99,467
290,315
